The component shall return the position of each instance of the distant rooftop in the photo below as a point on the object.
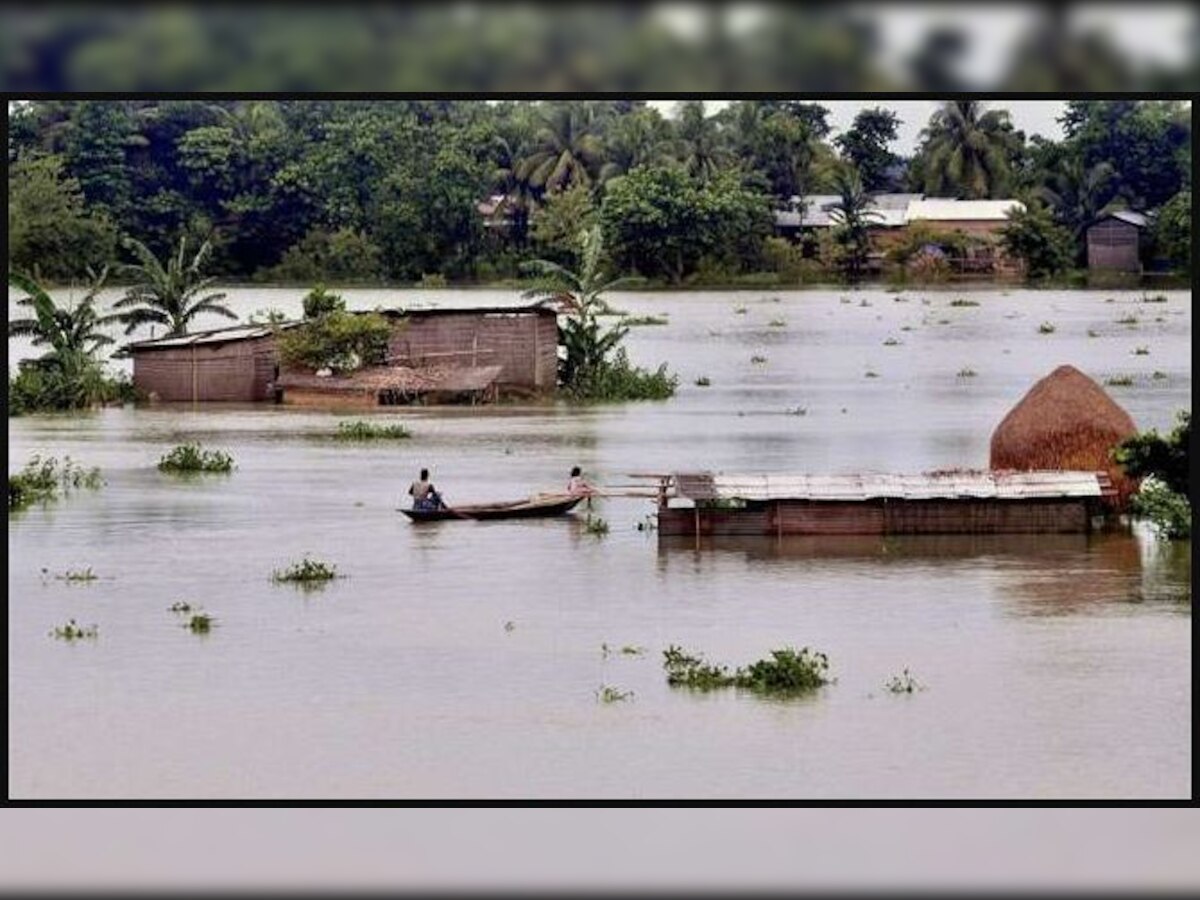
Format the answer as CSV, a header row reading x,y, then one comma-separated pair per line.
x,y
1001,485
894,210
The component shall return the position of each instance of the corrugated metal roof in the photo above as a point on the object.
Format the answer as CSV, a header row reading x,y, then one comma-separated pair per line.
x,y
1128,215
213,336
945,210
867,486
894,210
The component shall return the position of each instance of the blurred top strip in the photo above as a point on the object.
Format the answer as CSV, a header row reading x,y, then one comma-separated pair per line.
x,y
862,47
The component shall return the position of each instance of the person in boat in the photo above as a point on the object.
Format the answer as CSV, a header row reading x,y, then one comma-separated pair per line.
x,y
424,494
577,486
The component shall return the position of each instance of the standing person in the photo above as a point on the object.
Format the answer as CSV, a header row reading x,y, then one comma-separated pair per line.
x,y
424,494
577,486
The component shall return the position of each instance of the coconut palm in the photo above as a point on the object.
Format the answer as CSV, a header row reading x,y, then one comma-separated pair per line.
x,y
1078,193
511,178
633,140
699,143
170,295
566,151
579,294
69,332
853,213
965,151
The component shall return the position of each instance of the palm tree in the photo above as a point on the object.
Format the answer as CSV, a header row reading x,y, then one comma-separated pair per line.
x,y
700,147
634,140
853,213
68,376
1078,193
566,151
71,333
511,178
965,151
168,295
579,294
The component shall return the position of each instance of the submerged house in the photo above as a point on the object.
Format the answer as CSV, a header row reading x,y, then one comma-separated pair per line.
x,y
434,355
1114,241
957,502
225,364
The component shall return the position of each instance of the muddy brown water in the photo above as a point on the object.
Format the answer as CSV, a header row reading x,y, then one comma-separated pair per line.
x,y
463,659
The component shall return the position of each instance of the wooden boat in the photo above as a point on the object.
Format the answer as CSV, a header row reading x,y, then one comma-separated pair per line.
x,y
541,506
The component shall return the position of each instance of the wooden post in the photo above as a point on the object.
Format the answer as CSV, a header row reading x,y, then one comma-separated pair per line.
x,y
194,397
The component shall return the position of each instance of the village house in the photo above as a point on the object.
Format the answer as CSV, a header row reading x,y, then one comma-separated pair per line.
x,y
1114,241
892,217
468,353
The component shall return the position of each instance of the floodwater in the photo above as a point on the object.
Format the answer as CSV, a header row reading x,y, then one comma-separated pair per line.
x,y
462,659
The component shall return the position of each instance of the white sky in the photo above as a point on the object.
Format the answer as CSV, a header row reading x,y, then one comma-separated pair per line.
x,y
1031,116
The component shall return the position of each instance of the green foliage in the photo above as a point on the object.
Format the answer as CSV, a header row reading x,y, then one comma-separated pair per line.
x,y
73,631
608,694
786,672
200,623
321,302
342,256
79,576
559,219
595,525
1119,381
192,458
340,341
703,381
865,146
659,222
967,373
51,230
962,301
44,480
1164,457
1032,235
67,375
904,683
1169,512
1046,328
171,295
1146,143
618,380
307,571
369,431
966,152
1172,234
588,372
852,214
636,321
788,260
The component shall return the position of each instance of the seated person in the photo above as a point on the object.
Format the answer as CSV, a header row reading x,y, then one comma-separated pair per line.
x,y
577,486
424,495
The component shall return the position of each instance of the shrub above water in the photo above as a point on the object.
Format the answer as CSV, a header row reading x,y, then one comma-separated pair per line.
x,y
787,671
187,458
369,431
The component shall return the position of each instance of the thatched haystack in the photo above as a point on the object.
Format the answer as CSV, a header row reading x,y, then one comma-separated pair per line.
x,y
1066,421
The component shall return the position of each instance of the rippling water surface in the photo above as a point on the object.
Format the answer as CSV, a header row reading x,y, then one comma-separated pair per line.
x,y
462,659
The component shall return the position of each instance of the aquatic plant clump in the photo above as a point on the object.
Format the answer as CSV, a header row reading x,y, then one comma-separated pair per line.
x,y
595,525
307,571
42,480
200,623
904,683
192,458
606,693
636,321
962,301
369,431
786,671
73,631
1046,328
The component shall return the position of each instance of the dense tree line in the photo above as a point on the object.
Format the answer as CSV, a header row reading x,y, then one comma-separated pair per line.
x,y
346,191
